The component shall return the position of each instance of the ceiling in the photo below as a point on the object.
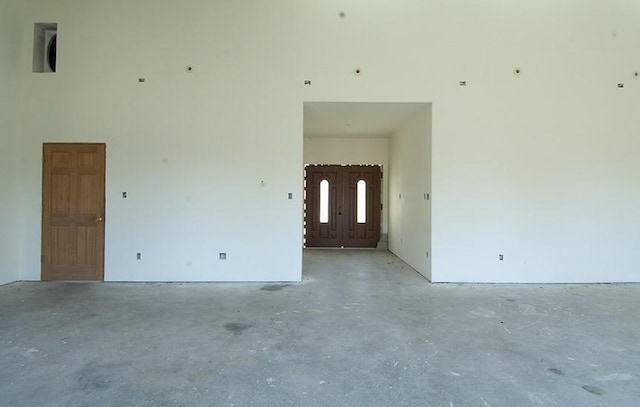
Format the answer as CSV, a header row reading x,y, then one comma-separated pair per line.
x,y
351,119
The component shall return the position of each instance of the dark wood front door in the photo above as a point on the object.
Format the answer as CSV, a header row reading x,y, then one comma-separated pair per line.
x,y
342,205
73,194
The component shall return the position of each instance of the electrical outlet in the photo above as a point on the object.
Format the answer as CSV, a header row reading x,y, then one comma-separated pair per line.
x,y
223,256
124,195
138,256
501,257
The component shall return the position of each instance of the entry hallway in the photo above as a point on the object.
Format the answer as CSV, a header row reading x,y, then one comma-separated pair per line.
x,y
362,329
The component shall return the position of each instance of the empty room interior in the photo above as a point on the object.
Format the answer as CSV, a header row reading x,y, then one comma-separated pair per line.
x,y
316,203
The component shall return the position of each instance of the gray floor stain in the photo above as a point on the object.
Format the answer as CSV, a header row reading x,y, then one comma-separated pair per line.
x,y
236,327
593,390
94,376
556,371
274,287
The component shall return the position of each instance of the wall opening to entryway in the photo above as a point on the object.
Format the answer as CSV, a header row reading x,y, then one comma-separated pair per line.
x,y
396,137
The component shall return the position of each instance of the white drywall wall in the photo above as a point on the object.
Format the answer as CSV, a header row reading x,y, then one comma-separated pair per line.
x,y
541,167
351,150
409,192
10,46
191,149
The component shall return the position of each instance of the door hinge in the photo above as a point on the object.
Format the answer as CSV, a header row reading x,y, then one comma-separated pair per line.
x,y
381,175
380,206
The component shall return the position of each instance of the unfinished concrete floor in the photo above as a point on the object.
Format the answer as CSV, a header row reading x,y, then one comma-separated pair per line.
x,y
362,329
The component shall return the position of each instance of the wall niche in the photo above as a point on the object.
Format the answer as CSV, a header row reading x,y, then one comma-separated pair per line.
x,y
45,47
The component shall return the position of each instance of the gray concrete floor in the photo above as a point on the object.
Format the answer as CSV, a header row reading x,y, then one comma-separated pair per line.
x,y
362,329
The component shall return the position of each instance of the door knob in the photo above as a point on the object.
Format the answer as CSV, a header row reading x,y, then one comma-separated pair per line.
x,y
98,220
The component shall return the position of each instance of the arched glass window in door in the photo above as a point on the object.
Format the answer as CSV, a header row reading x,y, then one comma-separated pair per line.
x,y
361,201
324,201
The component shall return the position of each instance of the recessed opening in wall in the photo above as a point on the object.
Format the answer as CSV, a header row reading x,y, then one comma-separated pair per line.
x,y
343,139
45,47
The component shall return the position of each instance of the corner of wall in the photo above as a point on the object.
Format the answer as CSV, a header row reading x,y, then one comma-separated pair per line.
x,y
10,79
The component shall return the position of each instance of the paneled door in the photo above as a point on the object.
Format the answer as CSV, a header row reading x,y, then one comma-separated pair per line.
x,y
73,193
342,205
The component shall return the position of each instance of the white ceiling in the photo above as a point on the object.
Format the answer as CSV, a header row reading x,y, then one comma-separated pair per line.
x,y
349,119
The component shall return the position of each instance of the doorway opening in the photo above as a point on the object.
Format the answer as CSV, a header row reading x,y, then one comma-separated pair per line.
x,y
395,137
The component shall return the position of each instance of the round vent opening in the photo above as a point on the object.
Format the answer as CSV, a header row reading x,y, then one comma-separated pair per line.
x,y
51,53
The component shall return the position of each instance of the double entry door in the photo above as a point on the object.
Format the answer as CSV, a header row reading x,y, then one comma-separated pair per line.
x,y
342,205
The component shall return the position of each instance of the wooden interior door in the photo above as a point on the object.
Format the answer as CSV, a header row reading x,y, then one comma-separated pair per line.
x,y
73,193
341,228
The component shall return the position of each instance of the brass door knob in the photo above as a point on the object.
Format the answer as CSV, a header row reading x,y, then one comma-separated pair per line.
x,y
98,220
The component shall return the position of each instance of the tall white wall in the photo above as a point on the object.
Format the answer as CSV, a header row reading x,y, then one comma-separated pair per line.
x,y
10,50
362,151
191,149
410,192
541,167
